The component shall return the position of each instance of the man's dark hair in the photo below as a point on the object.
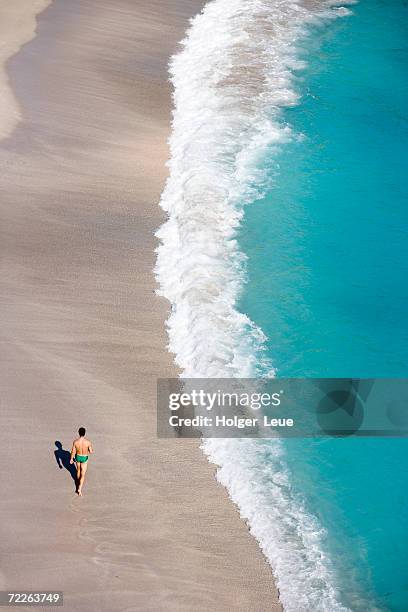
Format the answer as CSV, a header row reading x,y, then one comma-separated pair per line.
x,y
81,431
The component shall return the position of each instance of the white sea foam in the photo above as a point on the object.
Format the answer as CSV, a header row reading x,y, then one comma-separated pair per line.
x,y
258,481
231,81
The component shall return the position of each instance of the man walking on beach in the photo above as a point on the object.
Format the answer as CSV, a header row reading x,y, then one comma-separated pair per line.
x,y
81,449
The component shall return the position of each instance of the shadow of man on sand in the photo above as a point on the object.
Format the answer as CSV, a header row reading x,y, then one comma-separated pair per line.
x,y
62,458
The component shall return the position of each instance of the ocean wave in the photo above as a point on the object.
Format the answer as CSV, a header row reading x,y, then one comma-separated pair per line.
x,y
259,482
232,78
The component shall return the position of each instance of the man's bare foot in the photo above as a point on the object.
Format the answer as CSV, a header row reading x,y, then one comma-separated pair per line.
x,y
79,492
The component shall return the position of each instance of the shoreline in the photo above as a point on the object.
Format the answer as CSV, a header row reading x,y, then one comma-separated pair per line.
x,y
83,332
236,75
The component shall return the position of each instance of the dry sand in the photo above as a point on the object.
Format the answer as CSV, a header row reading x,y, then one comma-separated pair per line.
x,y
17,26
82,332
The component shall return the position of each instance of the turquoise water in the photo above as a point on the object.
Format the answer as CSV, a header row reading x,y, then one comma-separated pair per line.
x,y
327,280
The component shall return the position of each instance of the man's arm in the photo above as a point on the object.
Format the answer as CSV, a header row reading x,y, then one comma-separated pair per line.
x,y
90,448
72,453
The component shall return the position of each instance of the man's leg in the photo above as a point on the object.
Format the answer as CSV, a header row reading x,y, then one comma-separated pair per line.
x,y
84,467
78,474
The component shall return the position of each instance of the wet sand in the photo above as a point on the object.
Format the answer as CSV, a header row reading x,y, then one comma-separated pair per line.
x,y
82,332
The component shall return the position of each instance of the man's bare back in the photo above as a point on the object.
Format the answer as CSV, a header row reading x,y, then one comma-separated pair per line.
x,y
81,449
82,446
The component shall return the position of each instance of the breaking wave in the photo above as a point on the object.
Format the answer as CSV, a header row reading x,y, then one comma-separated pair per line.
x,y
232,79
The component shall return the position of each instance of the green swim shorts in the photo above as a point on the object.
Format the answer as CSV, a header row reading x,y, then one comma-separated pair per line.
x,y
81,458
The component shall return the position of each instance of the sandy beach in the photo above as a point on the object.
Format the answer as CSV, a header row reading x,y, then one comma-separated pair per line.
x,y
84,120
